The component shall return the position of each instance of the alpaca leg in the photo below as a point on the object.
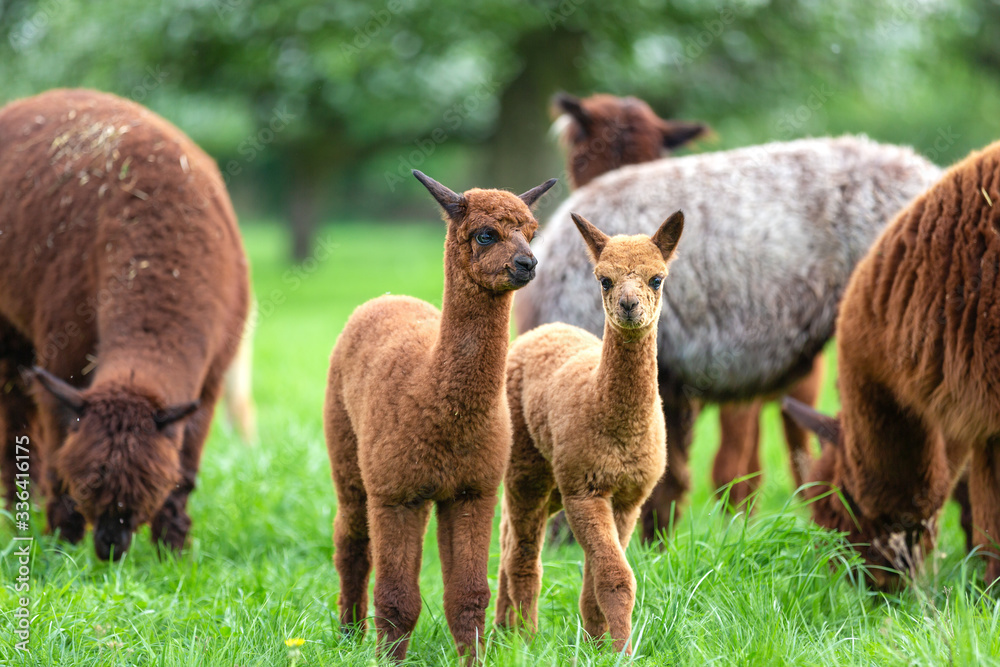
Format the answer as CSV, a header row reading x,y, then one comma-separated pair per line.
x,y
737,456
807,391
594,622
984,492
593,523
464,528
960,494
397,534
18,416
171,524
663,504
352,546
526,508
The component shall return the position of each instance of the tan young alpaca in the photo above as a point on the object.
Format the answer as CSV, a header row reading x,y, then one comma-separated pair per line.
x,y
416,415
589,434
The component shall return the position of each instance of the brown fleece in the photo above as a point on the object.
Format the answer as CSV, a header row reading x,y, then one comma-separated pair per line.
x,y
917,347
123,279
589,435
416,414
609,132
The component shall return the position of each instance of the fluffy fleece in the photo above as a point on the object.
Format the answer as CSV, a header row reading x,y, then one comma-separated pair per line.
x,y
416,415
123,279
774,232
588,434
917,353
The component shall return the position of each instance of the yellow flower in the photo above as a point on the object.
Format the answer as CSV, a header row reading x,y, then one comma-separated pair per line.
x,y
295,642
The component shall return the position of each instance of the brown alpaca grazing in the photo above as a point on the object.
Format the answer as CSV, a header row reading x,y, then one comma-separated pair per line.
x,y
416,414
917,339
589,435
607,132
123,281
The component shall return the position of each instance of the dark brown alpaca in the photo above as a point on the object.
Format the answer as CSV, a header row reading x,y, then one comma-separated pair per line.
x,y
589,435
607,132
123,280
917,341
416,415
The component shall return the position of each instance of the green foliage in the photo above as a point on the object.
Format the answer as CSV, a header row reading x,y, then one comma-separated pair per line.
x,y
772,590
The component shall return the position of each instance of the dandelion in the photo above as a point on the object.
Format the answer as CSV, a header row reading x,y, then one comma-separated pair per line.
x,y
294,644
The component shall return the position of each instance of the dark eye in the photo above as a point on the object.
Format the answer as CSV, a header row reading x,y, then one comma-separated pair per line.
x,y
656,282
486,237
606,283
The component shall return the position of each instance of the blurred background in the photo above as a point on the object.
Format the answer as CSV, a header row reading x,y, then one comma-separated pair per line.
x,y
317,112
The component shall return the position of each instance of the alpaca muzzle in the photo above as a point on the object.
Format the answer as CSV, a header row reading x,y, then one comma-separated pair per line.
x,y
112,535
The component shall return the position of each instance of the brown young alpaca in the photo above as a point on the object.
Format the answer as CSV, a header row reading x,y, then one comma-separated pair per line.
x,y
917,341
589,435
607,132
416,415
123,280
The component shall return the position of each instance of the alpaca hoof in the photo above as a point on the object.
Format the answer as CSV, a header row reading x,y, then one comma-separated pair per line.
x,y
170,529
354,632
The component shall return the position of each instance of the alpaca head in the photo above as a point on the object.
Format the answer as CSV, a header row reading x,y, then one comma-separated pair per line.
x,y
889,547
489,232
604,132
121,456
631,270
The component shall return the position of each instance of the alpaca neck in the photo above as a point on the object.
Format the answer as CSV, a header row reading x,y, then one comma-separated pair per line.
x,y
627,372
469,359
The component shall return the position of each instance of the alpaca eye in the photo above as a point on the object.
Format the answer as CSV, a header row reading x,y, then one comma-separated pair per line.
x,y
656,282
606,283
486,238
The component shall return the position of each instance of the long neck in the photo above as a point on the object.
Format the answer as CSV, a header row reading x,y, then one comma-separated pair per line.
x,y
470,356
627,373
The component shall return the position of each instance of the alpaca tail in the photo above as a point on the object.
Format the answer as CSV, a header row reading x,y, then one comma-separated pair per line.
x,y
241,411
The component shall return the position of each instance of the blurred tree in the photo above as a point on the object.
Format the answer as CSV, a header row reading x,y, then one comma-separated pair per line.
x,y
332,104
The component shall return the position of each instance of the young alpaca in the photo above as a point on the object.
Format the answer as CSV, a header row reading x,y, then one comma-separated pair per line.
x,y
603,133
416,414
589,435
918,361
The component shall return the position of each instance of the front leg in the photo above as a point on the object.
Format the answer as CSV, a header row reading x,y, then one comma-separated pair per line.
x,y
397,540
464,527
172,524
593,523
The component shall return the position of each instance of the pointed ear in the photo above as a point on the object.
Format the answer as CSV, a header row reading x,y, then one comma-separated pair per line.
x,y
452,202
532,195
594,237
668,235
69,397
567,104
676,133
827,428
174,413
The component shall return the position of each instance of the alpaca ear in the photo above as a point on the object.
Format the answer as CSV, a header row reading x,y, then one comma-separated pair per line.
x,y
594,237
452,202
676,133
668,235
174,413
827,428
70,398
566,103
532,195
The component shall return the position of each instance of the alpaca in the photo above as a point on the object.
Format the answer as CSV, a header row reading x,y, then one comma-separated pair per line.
x,y
124,283
416,414
917,355
588,433
237,386
775,232
605,132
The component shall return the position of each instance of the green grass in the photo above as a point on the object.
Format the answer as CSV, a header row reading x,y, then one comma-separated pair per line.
x,y
771,590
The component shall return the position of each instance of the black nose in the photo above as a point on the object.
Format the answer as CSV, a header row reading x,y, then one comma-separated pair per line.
x,y
525,262
112,536
628,303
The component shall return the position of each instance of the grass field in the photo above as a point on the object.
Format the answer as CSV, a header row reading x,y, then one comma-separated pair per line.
x,y
258,570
